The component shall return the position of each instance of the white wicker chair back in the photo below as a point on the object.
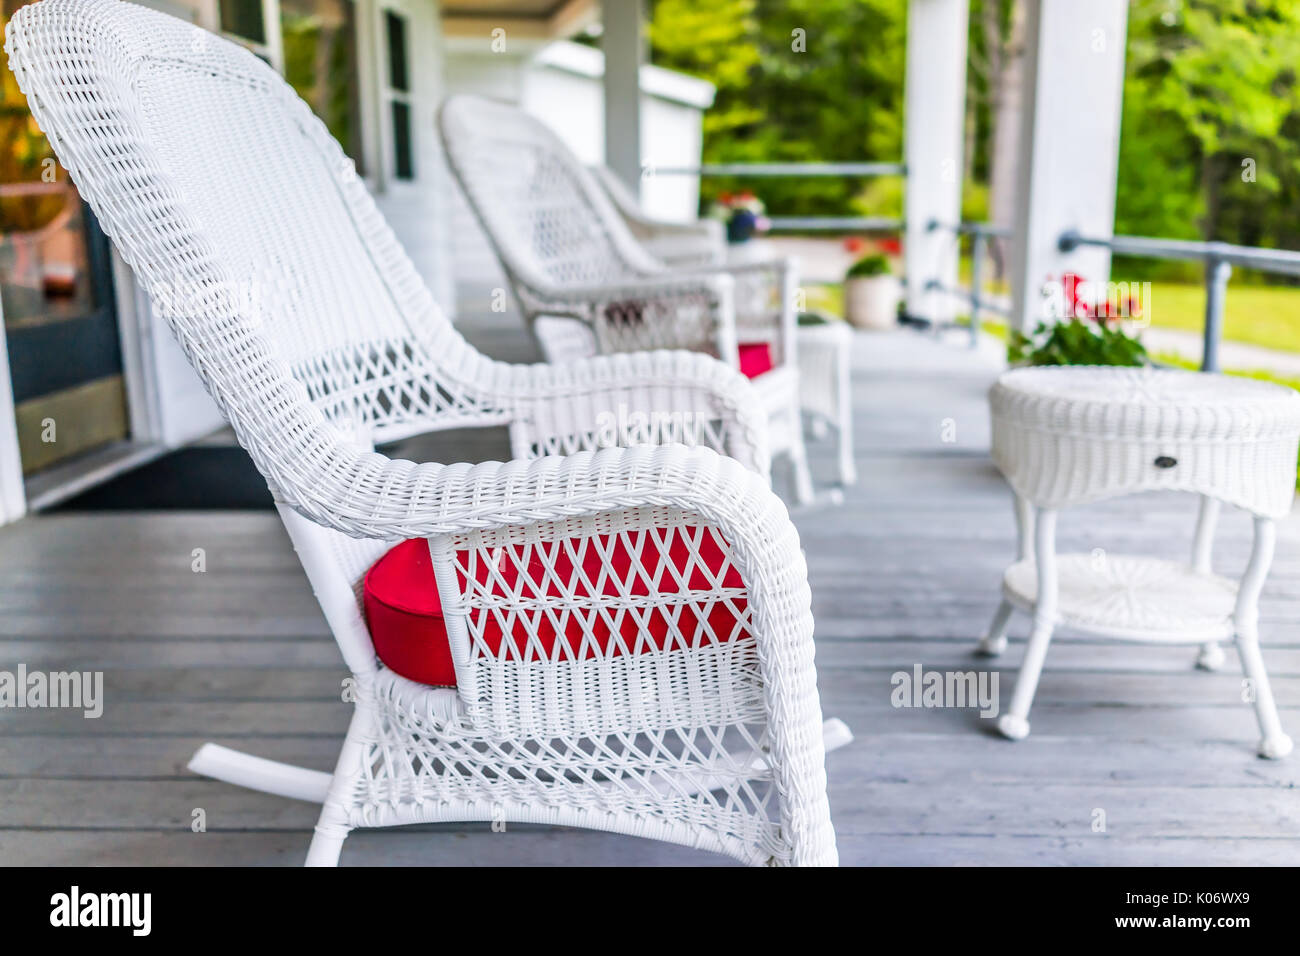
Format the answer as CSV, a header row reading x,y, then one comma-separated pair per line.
x,y
549,220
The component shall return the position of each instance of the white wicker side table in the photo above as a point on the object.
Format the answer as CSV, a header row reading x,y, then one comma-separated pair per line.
x,y
1069,436
824,387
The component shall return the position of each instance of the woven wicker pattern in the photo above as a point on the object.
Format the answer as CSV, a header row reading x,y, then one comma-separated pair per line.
x,y
573,261
1071,435
314,334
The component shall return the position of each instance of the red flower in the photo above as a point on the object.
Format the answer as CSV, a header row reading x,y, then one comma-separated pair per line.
x,y
891,247
1070,285
854,244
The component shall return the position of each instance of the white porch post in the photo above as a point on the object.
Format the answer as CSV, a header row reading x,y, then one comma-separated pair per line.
x,y
934,119
13,498
1069,145
624,48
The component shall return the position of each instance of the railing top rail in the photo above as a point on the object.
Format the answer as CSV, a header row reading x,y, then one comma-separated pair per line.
x,y
973,228
837,223
1266,260
784,169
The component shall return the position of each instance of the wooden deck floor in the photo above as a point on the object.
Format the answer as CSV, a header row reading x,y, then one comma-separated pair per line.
x,y
905,572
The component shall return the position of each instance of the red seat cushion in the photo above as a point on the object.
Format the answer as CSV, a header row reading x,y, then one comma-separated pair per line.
x,y
404,612
755,359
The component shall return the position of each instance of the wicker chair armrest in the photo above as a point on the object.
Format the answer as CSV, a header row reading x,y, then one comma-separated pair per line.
x,y
701,230
628,399
696,245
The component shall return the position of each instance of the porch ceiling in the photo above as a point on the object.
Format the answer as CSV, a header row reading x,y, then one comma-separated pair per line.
x,y
534,19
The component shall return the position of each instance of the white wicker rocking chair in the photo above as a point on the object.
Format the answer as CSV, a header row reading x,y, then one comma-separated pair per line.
x,y
682,245
823,348
313,332
585,284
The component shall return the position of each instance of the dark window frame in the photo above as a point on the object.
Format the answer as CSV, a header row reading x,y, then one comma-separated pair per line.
x,y
400,109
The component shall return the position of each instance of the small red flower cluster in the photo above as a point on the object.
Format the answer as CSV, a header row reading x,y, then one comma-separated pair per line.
x,y
1077,306
740,199
887,247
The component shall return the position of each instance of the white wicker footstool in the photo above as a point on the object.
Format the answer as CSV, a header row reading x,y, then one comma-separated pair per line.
x,y
1069,436
824,386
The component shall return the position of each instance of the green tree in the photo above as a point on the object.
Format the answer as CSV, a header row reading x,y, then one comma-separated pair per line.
x,y
1211,109
797,81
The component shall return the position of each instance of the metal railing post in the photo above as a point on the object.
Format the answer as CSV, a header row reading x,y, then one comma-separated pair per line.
x,y
979,243
1217,272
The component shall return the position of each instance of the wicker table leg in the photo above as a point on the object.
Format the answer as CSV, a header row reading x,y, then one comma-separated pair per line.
x,y
1274,743
994,642
1211,656
1015,723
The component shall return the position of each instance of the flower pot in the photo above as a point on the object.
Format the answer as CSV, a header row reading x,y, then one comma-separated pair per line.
x,y
745,253
872,303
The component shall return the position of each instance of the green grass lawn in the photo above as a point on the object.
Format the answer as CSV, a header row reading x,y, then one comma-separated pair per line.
x,y
1255,314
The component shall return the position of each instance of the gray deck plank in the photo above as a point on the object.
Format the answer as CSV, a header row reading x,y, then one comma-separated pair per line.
x,y
906,571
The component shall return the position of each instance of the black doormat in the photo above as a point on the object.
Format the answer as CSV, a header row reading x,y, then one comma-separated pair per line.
x,y
204,478
223,477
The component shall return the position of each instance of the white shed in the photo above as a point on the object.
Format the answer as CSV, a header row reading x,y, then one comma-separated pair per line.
x,y
561,83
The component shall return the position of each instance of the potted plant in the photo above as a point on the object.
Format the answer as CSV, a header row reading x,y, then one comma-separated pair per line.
x,y
871,293
743,214
1076,342
1088,333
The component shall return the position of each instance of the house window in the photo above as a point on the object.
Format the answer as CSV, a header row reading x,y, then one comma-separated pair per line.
x,y
399,95
245,20
319,40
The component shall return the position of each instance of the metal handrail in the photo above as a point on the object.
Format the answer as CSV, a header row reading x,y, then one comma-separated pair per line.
x,y
1219,258
980,233
836,223
1281,261
972,229
783,169
802,223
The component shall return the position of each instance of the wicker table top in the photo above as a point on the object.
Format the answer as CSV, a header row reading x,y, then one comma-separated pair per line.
x,y
1068,435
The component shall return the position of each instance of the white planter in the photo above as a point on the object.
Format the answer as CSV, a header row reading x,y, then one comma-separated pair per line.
x,y
872,303
750,251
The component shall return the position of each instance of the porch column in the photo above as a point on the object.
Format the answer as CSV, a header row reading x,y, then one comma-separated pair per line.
x,y
934,120
624,48
1069,146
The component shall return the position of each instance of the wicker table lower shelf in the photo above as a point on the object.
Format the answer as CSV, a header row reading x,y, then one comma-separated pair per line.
x,y
1131,598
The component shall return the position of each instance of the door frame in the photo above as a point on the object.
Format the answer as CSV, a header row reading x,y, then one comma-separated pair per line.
x,y
13,492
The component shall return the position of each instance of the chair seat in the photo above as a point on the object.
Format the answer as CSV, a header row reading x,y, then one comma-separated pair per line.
x,y
699,600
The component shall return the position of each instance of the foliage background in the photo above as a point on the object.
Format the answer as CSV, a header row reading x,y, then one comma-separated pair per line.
x,y
1210,85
